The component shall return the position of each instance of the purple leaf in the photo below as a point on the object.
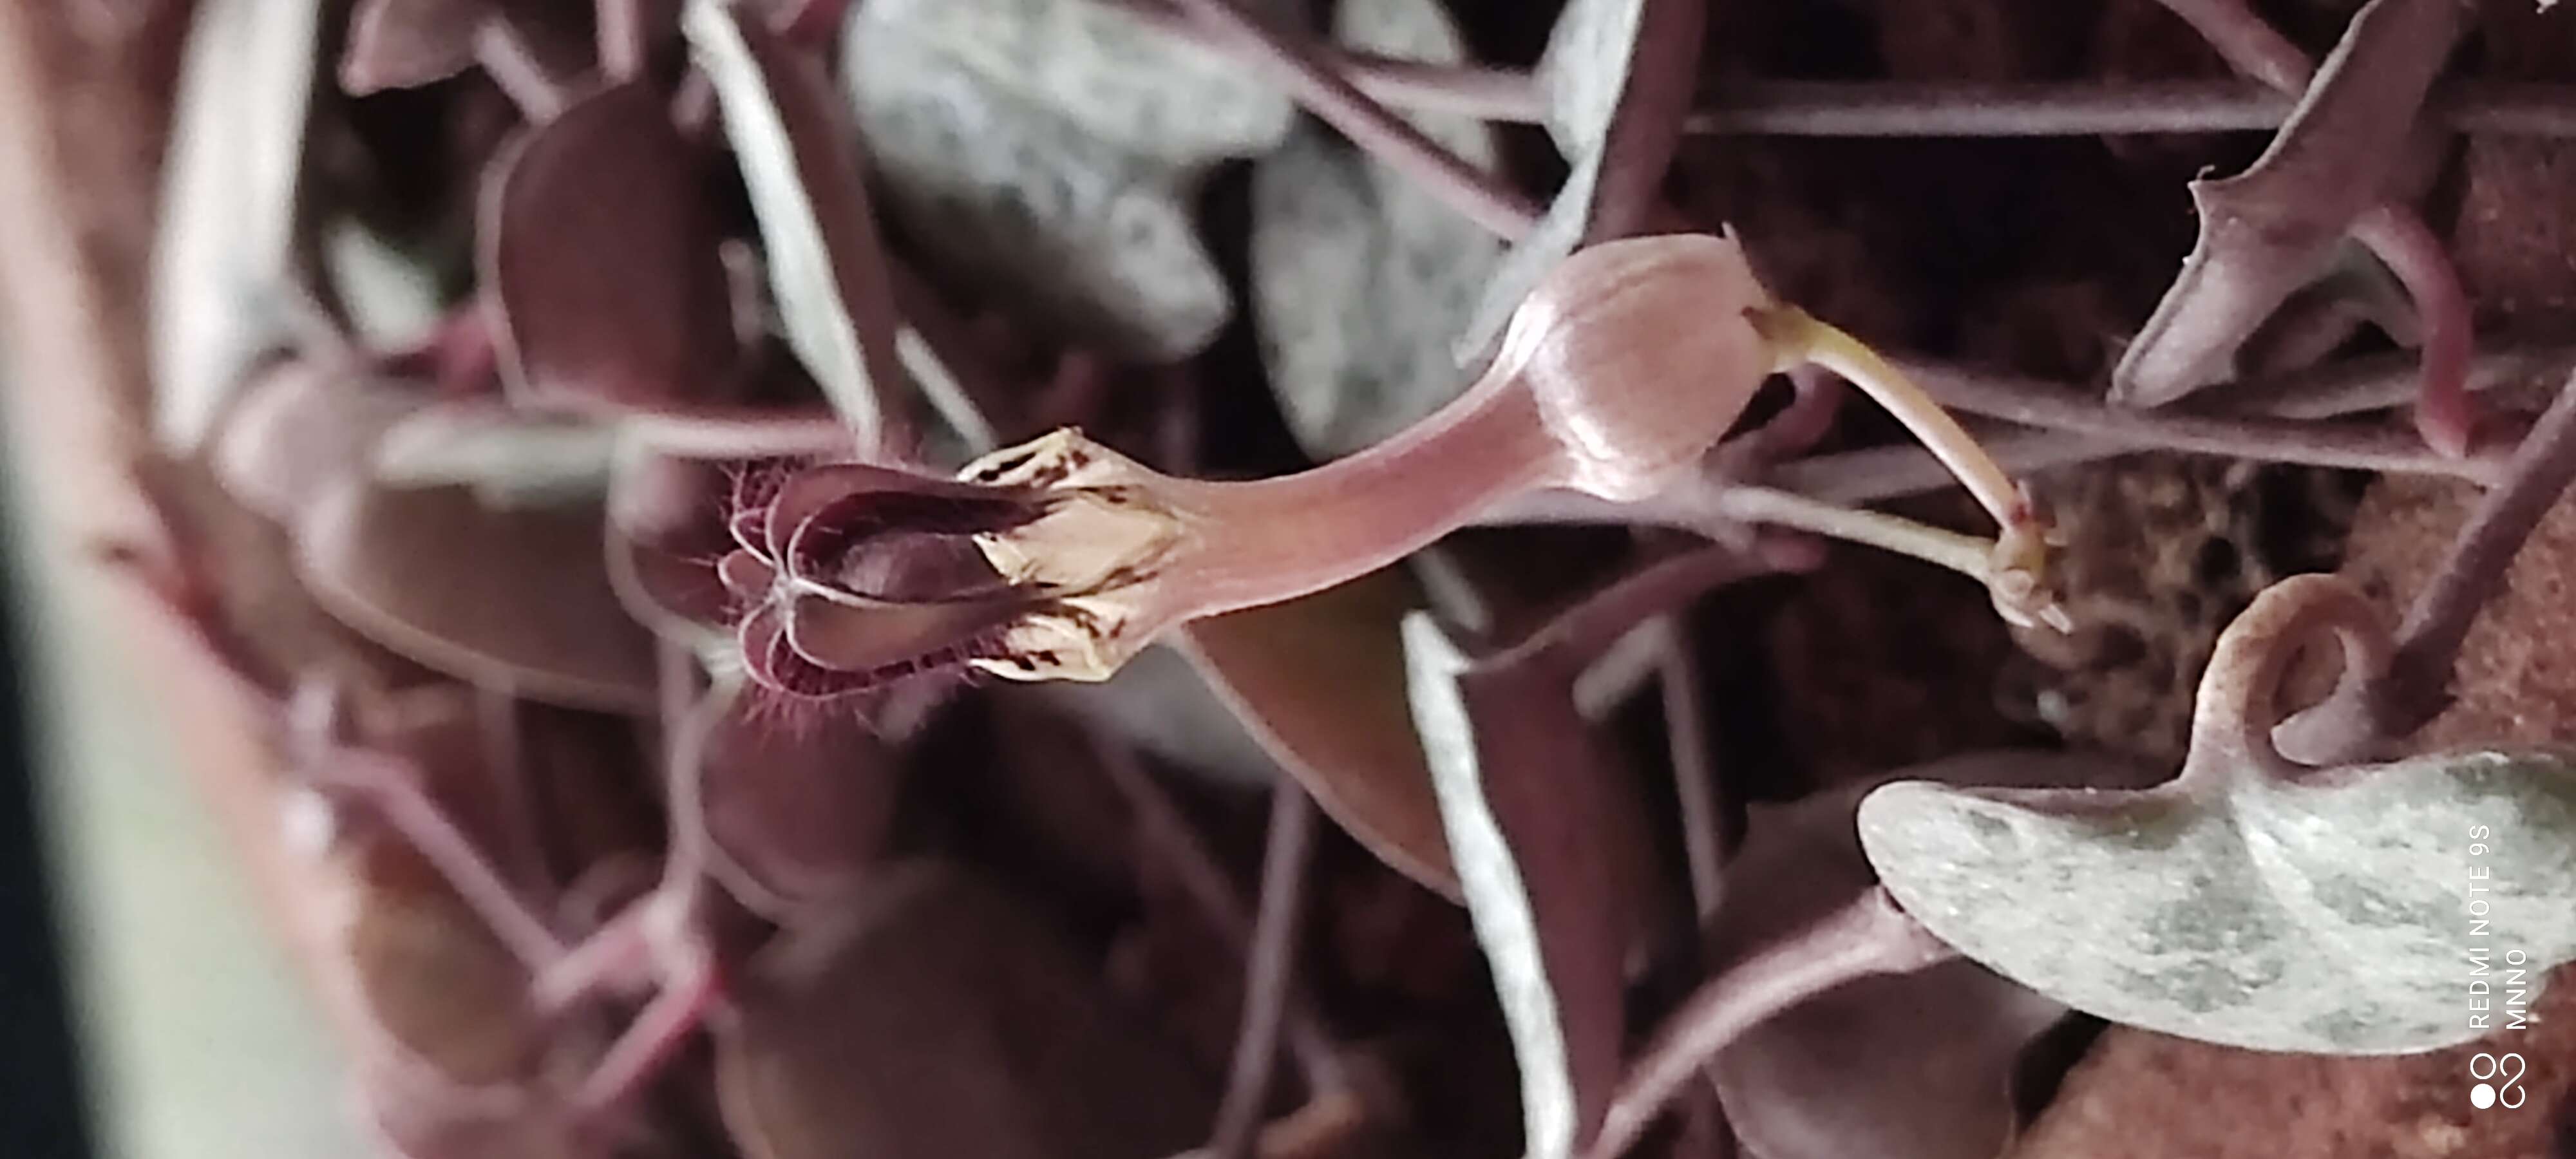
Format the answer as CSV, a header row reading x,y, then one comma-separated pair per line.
x,y
599,255
937,1018
796,810
1319,682
514,598
2267,232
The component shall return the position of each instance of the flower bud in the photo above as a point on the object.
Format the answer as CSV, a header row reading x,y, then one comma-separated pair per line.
x,y
1640,356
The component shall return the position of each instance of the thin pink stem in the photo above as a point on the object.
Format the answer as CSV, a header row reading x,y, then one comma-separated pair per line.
x,y
1686,737
2035,403
1957,108
1270,971
718,432
1311,76
615,956
2248,43
515,67
651,1041
621,36
1867,937
392,787
2444,413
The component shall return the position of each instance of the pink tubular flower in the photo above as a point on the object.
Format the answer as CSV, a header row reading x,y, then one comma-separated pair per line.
x,y
1059,559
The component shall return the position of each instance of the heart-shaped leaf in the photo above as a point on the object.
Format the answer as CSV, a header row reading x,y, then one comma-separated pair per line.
x,y
1618,76
599,255
514,598
2250,902
1047,149
1524,799
1360,279
1901,1066
1319,681
800,161
224,258
795,814
1114,77
937,1018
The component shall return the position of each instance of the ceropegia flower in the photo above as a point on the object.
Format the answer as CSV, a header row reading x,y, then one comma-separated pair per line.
x,y
1060,558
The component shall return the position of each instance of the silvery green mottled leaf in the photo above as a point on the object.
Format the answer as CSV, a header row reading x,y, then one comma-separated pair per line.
x,y
2246,903
598,255
516,599
1361,280
1618,77
1519,787
1585,69
1114,77
1010,141
800,161
227,238
508,457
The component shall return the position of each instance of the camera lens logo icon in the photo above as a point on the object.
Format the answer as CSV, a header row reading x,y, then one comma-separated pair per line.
x,y
2499,1082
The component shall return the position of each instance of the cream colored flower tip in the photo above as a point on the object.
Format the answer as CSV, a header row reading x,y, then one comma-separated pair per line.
x,y
1099,549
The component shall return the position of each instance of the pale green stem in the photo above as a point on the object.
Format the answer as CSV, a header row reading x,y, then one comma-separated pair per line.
x,y
1798,338
1965,554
